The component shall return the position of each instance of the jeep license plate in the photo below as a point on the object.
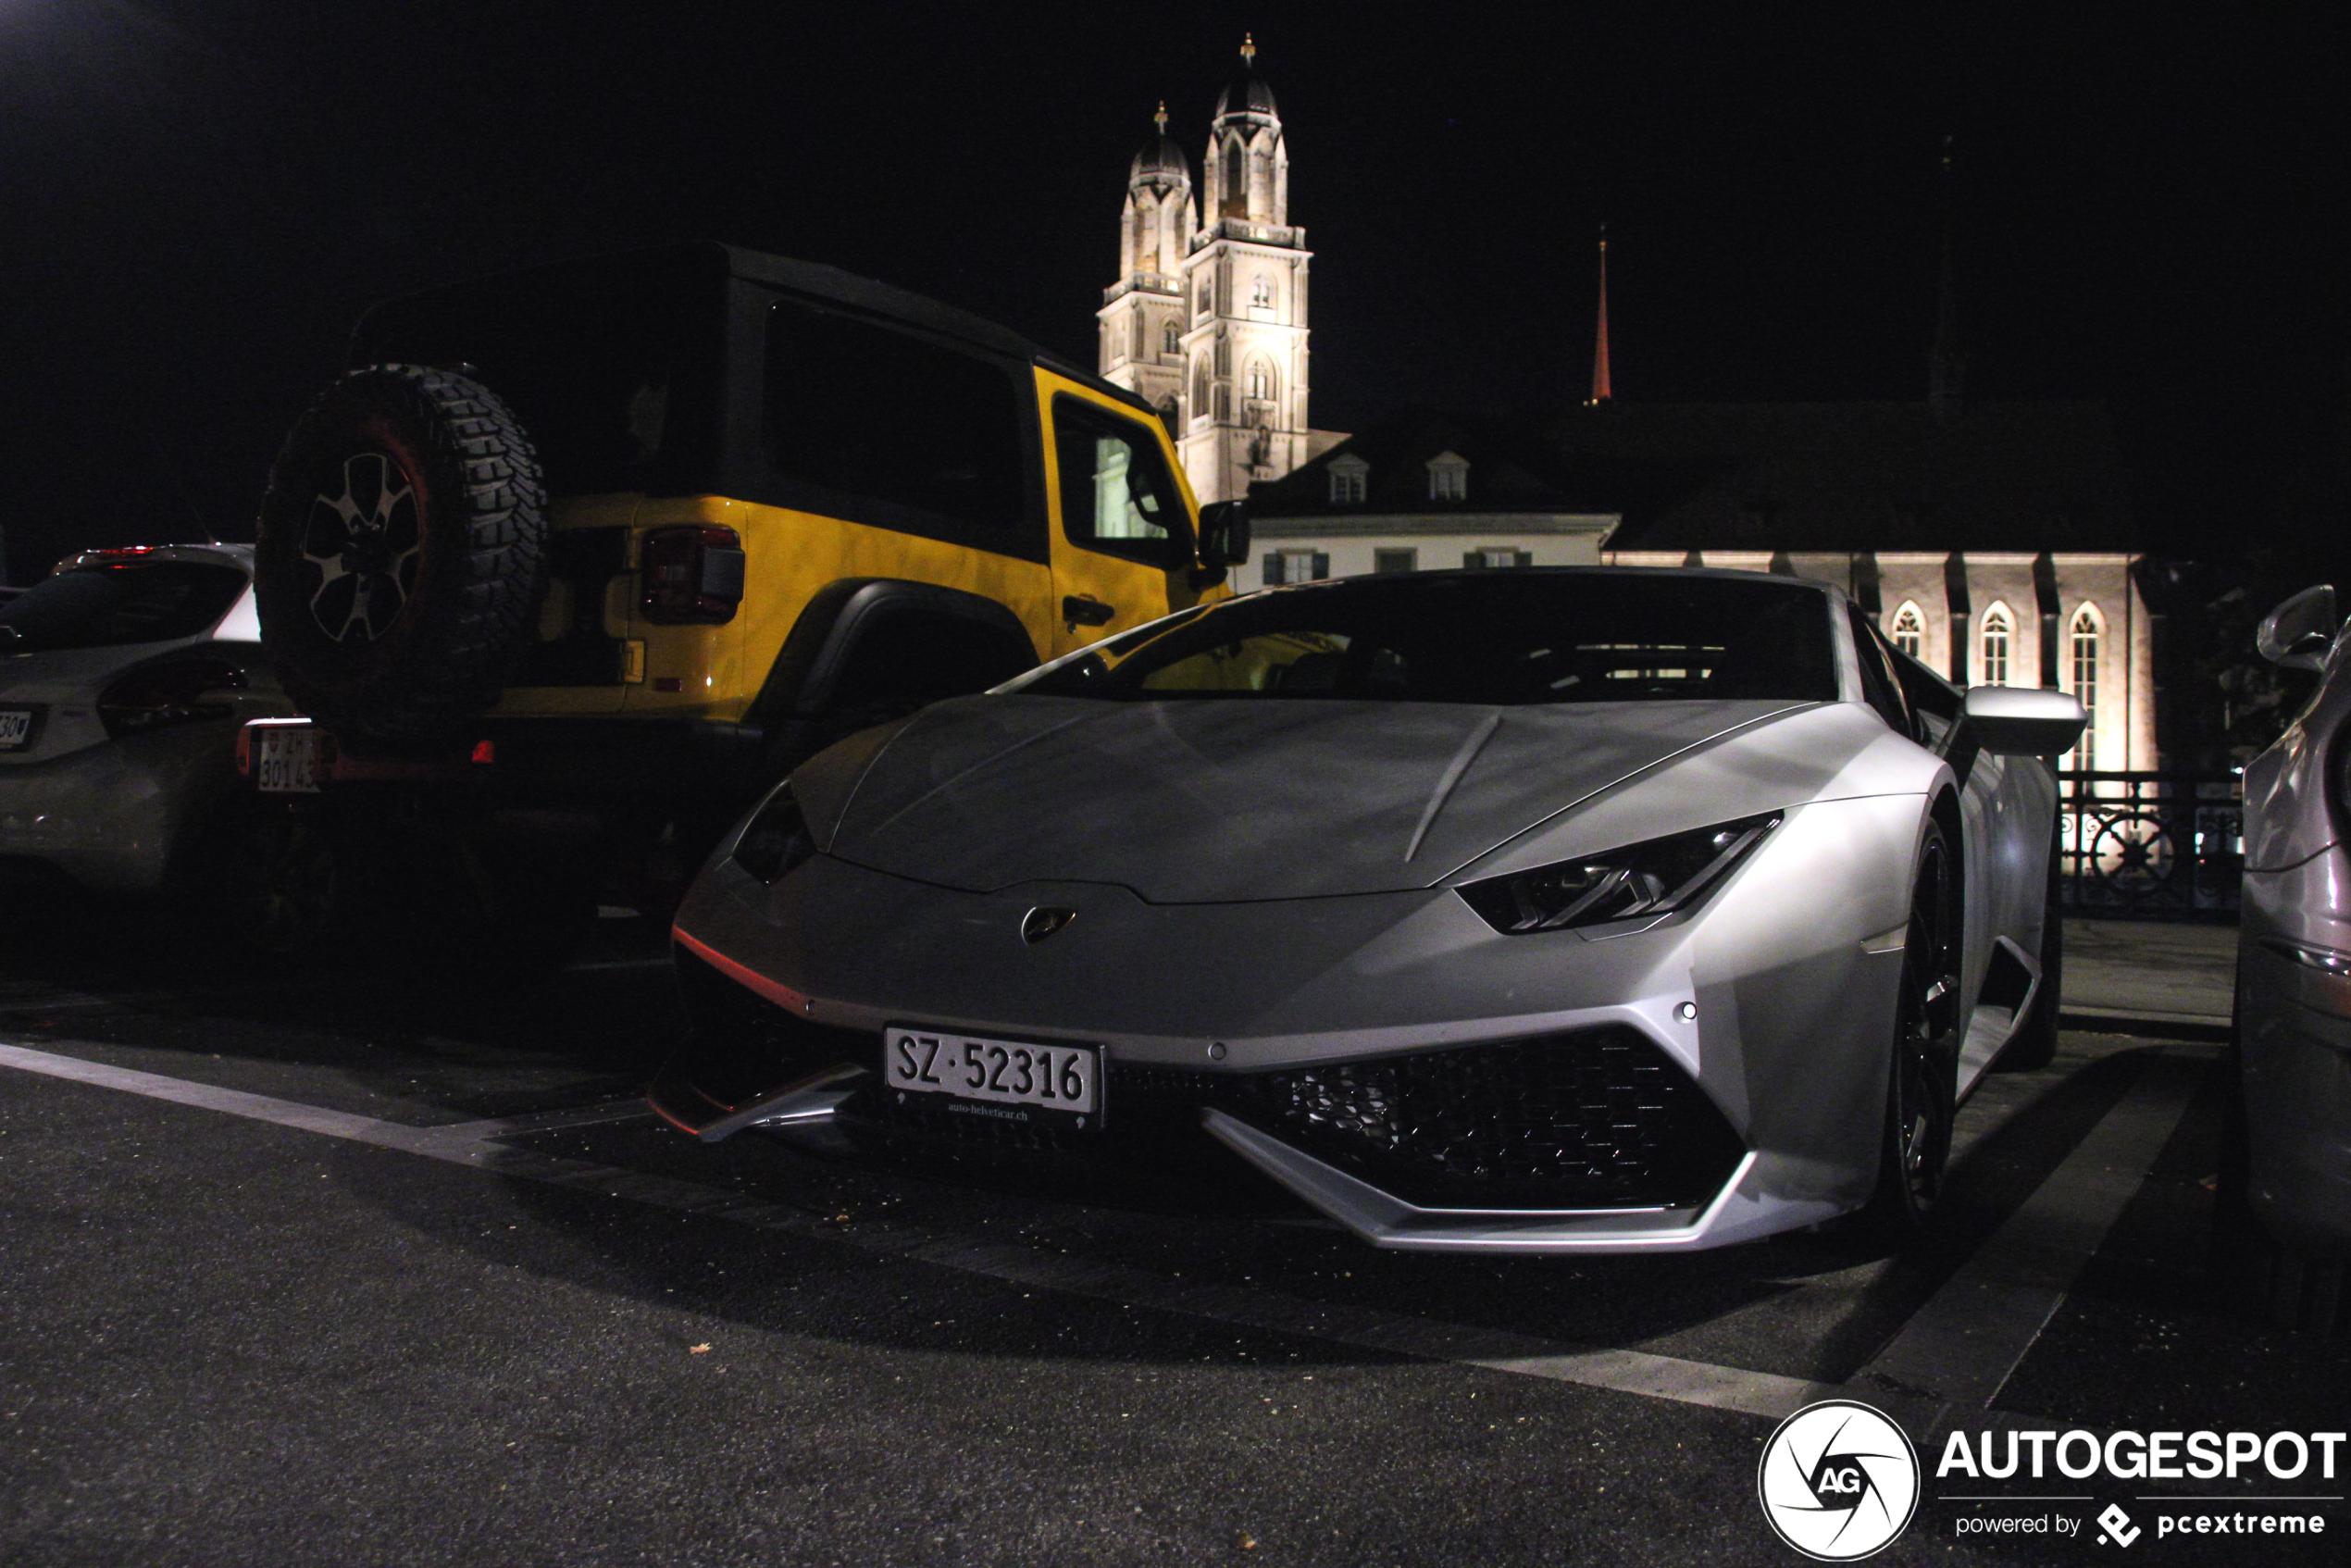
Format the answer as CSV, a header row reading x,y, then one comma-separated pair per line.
x,y
16,728
287,763
1009,1081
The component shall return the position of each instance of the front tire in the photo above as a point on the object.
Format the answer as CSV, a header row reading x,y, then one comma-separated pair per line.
x,y
1914,1144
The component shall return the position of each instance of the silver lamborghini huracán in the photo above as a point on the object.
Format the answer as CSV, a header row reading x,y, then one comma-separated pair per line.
x,y
1575,910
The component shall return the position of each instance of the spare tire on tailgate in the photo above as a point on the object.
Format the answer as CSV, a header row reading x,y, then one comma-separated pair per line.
x,y
401,552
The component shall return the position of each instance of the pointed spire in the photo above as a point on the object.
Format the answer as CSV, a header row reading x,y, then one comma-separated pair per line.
x,y
1601,390
1248,51
1160,118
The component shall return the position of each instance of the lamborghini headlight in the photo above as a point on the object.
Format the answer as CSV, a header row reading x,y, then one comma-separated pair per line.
x,y
1657,877
775,838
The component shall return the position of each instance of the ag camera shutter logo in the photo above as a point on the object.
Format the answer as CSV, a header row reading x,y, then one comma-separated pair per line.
x,y
1838,1480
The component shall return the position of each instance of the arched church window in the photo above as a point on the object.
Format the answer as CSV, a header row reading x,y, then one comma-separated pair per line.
x,y
1999,629
2086,631
1908,631
1236,178
1260,292
1224,400
1167,344
1199,388
1261,379
1135,349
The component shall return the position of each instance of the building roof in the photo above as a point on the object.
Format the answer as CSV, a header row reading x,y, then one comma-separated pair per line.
x,y
1395,454
1849,477
1854,476
1246,91
1159,156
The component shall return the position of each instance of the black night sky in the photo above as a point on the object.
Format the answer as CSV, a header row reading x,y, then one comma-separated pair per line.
x,y
198,197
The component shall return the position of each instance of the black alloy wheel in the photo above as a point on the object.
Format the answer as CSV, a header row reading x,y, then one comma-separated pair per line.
x,y
1922,1087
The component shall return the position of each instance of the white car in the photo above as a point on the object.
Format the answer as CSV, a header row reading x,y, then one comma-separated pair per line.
x,y
1558,910
124,676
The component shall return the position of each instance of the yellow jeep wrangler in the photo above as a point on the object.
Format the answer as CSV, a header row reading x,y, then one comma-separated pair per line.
x,y
589,554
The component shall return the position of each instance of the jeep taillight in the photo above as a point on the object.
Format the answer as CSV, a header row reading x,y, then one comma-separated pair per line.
x,y
691,576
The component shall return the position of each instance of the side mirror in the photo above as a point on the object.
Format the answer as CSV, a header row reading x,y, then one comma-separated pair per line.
x,y
1224,534
2298,633
2021,721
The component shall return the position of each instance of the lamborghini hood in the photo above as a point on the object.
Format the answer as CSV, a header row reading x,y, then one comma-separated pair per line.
x,y
1208,801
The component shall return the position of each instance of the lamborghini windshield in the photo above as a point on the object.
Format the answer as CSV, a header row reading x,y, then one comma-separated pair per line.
x,y
1598,635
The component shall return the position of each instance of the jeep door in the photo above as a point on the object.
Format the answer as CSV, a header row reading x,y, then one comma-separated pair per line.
x,y
1122,541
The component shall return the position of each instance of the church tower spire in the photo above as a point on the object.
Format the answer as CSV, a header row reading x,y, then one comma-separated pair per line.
x,y
1142,314
1245,292
1601,392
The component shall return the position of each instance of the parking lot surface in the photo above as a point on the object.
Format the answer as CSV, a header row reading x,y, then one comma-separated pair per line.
x,y
358,1267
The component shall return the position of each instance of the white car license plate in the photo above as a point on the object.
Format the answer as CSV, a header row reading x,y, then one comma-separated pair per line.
x,y
289,761
16,728
990,1072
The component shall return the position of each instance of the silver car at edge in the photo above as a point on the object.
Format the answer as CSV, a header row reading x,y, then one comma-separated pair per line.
x,y
123,676
1575,910
2294,973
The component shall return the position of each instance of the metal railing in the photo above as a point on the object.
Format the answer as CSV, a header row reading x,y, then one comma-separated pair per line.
x,y
2150,846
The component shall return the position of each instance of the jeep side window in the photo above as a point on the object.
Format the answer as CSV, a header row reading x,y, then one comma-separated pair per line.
x,y
858,413
1117,496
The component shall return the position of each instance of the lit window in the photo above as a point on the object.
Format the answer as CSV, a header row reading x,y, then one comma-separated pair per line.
x,y
1908,631
2086,633
1295,566
1999,628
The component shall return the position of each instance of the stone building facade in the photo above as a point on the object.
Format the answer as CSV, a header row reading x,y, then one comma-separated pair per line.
x,y
1995,542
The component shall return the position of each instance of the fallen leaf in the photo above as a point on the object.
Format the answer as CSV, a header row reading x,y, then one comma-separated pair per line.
x,y
697,1349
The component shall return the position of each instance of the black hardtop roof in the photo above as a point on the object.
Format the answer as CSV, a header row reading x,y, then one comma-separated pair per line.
x,y
810,278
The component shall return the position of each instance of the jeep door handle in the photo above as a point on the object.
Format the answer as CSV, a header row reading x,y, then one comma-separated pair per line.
x,y
1080,609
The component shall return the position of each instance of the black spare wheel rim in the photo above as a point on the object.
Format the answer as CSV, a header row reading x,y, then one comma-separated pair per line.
x,y
401,552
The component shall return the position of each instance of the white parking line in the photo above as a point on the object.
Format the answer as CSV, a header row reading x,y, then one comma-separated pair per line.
x,y
1768,1395
1964,1344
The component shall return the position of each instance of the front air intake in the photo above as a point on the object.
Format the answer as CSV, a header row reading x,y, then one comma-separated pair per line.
x,y
1596,1119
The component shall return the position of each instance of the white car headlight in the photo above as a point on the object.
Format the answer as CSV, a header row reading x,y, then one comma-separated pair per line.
x,y
1655,877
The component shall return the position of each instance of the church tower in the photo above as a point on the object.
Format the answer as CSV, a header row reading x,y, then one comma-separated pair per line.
x,y
1142,314
1236,368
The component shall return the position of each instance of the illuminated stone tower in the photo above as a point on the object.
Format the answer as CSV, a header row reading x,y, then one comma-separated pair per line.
x,y
1237,369
1142,314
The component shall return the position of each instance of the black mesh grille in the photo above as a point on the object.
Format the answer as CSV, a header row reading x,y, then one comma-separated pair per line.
x,y
1588,1118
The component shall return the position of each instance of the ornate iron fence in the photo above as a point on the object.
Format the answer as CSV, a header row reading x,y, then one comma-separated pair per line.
x,y
2150,846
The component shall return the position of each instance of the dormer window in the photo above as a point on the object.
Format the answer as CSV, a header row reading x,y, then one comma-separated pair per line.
x,y
1448,477
1347,475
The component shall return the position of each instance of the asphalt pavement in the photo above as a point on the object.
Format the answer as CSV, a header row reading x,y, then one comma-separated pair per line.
x,y
344,1268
